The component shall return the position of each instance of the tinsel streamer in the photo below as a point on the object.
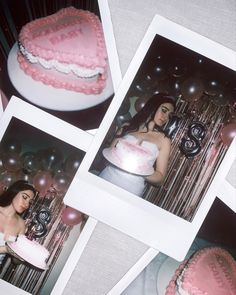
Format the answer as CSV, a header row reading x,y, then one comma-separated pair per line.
x,y
188,179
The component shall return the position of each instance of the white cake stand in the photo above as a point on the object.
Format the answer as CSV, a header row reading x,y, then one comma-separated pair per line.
x,y
48,97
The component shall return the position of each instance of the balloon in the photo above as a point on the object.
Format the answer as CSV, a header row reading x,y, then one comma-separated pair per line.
x,y
123,119
70,216
12,145
172,87
42,181
12,161
8,178
159,71
26,177
201,61
220,99
51,158
212,87
140,103
139,88
61,181
178,68
125,106
39,223
190,145
192,89
172,126
228,133
72,163
31,162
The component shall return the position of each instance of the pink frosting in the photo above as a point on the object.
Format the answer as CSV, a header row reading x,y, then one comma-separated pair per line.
x,y
125,151
70,36
211,271
57,80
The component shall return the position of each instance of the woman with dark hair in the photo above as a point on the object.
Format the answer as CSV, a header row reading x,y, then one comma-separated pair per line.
x,y
145,129
13,202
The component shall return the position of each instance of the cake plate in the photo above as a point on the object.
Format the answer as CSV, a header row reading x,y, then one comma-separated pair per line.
x,y
49,97
24,259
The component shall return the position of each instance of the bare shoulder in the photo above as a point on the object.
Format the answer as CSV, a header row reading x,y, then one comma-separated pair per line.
x,y
165,141
21,224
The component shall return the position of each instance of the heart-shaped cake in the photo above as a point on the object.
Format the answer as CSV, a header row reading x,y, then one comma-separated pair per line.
x,y
210,271
65,50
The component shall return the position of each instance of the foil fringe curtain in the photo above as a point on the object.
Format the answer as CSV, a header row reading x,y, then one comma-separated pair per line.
x,y
189,178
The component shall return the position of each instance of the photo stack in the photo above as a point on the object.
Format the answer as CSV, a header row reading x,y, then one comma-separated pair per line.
x,y
150,155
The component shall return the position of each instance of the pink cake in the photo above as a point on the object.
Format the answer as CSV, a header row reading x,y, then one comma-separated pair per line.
x,y
210,271
131,157
30,251
65,50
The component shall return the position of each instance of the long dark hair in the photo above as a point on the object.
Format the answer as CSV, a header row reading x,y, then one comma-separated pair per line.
x,y
147,113
9,194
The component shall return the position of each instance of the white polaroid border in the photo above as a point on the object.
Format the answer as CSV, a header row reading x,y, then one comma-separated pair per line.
x,y
110,204
74,257
225,189
110,43
1,106
68,133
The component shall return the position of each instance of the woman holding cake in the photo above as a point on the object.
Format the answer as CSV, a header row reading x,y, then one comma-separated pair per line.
x,y
145,130
13,202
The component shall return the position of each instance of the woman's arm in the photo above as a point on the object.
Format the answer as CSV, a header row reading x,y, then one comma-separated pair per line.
x,y
161,164
3,249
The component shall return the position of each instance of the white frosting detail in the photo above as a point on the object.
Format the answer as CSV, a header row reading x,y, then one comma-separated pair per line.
x,y
60,67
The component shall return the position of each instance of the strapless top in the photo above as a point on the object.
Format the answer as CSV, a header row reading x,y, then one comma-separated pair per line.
x,y
150,146
133,156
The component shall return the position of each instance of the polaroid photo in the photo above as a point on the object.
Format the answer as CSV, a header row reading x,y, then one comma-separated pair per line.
x,y
40,155
150,169
214,233
78,92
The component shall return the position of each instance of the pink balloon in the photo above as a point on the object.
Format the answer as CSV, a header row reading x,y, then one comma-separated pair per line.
x,y
72,163
228,133
8,178
12,162
42,181
61,181
140,103
192,89
70,216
